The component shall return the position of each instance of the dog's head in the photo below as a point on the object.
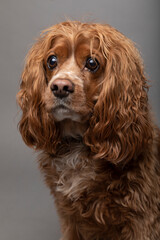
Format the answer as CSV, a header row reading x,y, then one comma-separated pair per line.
x,y
85,79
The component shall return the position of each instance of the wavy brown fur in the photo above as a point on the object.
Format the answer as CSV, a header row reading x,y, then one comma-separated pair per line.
x,y
106,182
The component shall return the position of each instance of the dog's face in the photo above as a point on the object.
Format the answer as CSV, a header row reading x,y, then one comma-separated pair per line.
x,y
91,75
74,70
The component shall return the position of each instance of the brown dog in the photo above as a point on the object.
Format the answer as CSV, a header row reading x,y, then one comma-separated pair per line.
x,y
85,107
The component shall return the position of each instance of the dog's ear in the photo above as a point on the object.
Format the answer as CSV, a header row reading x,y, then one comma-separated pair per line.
x,y
36,125
120,127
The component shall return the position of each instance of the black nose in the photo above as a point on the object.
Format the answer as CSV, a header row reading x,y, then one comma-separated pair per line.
x,y
61,88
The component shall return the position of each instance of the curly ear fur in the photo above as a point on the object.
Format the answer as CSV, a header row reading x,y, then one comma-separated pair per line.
x,y
36,126
120,126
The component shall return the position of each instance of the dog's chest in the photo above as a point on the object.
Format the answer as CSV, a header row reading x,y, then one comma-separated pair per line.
x,y
74,172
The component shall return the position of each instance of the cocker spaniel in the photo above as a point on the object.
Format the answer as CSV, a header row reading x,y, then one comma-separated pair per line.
x,y
85,107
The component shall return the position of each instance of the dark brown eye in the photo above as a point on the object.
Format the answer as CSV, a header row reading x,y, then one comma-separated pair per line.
x,y
52,62
92,64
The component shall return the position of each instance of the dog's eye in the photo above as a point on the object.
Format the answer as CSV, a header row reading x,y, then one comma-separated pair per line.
x,y
92,64
52,62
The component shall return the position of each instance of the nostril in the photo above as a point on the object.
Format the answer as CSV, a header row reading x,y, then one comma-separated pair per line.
x,y
66,88
54,87
69,88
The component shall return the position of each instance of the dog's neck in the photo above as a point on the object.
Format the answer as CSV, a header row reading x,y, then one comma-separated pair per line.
x,y
71,136
72,130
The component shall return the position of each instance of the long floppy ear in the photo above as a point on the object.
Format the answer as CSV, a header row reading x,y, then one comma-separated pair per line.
x,y
36,125
120,127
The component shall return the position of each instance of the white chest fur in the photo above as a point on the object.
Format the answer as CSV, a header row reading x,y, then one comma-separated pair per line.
x,y
74,171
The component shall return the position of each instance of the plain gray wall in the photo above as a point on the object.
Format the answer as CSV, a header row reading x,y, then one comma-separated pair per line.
x,y
26,208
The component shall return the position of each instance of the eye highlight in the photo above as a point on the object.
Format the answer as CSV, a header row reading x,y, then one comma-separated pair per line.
x,y
52,62
92,64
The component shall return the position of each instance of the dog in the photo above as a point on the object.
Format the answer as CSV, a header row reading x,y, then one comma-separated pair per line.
x,y
84,101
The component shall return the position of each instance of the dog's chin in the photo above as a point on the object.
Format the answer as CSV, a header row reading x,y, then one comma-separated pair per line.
x,y
61,113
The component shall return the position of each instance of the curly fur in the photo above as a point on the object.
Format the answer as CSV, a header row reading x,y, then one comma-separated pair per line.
x,y
102,164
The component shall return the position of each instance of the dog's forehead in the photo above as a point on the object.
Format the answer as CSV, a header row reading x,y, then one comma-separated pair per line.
x,y
76,40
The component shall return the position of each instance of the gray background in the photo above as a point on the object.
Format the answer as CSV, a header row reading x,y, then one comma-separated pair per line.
x,y
26,208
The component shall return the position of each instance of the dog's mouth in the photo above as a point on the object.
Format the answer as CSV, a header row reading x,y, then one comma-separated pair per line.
x,y
62,112
61,106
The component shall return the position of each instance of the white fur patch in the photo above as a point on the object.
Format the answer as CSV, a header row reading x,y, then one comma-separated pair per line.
x,y
74,171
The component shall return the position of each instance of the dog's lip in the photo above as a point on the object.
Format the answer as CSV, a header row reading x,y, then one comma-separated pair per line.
x,y
62,112
61,106
62,109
